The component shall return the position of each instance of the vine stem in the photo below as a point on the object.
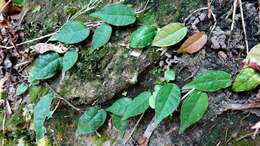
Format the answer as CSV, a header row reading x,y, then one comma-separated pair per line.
x,y
60,97
132,132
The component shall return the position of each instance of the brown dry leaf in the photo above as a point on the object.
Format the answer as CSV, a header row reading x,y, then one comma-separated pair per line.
x,y
194,43
44,47
8,7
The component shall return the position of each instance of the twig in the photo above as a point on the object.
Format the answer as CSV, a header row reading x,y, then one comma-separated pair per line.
x,y
242,106
243,25
29,41
209,8
233,21
5,5
3,129
198,10
144,8
244,136
130,135
201,9
233,15
60,97
56,106
187,94
92,4
148,132
215,21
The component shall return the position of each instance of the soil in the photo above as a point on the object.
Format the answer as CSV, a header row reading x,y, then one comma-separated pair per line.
x,y
224,51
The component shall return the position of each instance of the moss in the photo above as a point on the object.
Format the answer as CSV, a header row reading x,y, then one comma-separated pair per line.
x,y
100,140
70,10
35,92
148,18
153,54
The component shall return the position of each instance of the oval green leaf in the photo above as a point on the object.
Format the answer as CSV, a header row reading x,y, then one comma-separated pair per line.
x,y
119,107
143,36
71,32
153,97
41,112
69,59
116,14
169,75
44,67
101,36
193,108
254,54
137,106
167,101
210,81
120,125
246,80
90,121
169,35
22,88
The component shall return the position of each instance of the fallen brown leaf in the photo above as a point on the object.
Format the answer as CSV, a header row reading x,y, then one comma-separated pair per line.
x,y
44,47
194,43
8,7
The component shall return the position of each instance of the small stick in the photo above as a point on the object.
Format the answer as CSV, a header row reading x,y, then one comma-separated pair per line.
x,y
3,129
198,10
56,106
60,97
144,8
137,123
209,8
6,4
29,41
233,15
149,130
187,94
243,25
89,7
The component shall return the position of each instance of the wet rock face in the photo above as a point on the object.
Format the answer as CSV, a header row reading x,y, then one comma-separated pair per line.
x,y
121,71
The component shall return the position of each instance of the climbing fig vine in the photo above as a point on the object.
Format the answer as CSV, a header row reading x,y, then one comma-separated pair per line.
x,y
165,99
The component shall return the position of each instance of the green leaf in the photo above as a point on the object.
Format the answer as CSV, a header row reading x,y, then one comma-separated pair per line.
x,y
35,92
143,36
170,34
91,120
116,14
69,59
41,112
19,2
137,106
246,80
153,97
169,75
210,81
45,67
71,32
101,36
119,107
22,88
120,125
193,108
167,101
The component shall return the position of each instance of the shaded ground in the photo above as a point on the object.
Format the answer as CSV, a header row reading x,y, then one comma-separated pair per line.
x,y
223,51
